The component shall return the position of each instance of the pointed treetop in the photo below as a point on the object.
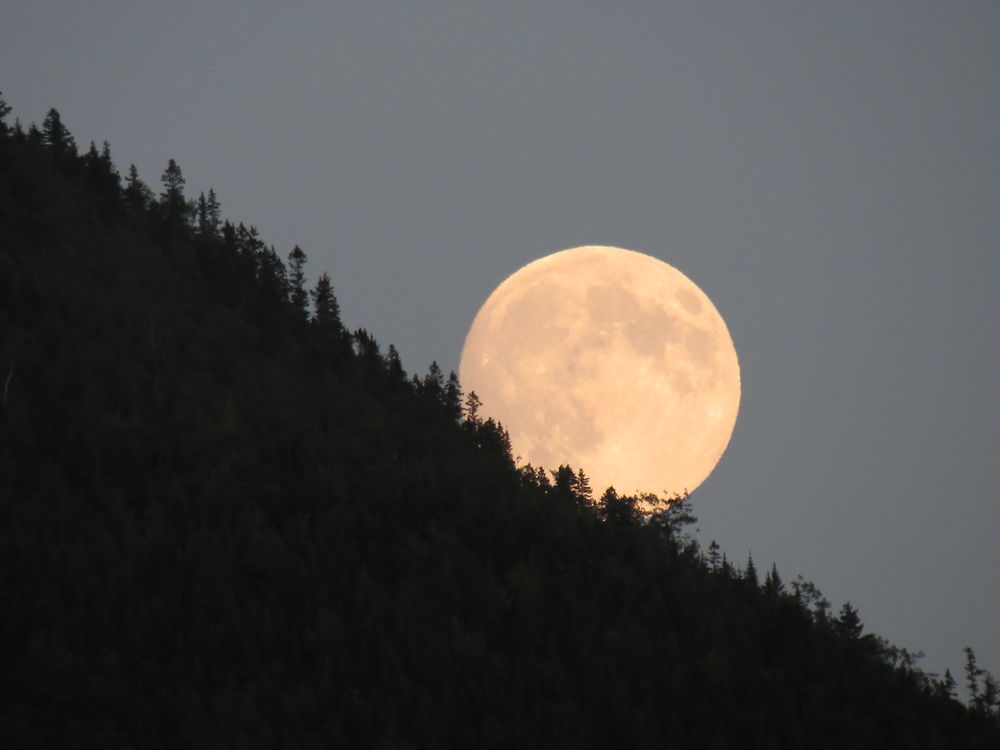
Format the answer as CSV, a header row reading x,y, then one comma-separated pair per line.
x,y
714,557
137,194
433,384
453,396
213,207
173,181
296,280
172,198
56,136
750,572
201,214
583,489
472,406
849,623
326,311
772,582
395,365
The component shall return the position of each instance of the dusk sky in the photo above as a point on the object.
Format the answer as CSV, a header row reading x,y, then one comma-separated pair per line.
x,y
828,173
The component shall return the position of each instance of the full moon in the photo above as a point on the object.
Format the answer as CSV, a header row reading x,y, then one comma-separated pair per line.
x,y
610,361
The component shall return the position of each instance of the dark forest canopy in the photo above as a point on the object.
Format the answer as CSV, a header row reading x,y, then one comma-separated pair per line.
x,y
226,520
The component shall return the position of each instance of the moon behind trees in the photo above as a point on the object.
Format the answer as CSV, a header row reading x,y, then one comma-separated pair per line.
x,y
611,361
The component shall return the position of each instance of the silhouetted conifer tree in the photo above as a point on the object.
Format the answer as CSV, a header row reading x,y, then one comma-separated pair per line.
x,y
57,137
713,555
298,296
725,567
991,692
948,684
618,510
34,136
453,397
677,514
396,371
101,174
750,572
172,202
584,492
368,353
137,193
472,406
326,311
772,582
564,482
201,215
249,242
972,675
230,238
493,440
212,213
433,382
849,623
272,274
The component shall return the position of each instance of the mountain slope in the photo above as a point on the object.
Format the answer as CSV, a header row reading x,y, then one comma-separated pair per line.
x,y
227,521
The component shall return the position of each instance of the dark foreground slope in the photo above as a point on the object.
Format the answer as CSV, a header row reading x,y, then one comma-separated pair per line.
x,y
227,522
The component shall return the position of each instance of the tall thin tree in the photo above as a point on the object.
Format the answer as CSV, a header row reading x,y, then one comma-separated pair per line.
x,y
297,293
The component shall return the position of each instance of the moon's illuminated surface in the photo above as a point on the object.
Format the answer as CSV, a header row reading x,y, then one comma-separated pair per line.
x,y
611,361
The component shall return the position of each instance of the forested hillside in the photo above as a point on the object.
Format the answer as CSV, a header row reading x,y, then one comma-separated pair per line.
x,y
226,521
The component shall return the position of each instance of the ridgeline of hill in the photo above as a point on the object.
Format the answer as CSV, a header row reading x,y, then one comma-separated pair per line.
x,y
226,521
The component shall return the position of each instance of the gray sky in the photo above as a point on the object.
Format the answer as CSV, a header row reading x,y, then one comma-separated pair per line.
x,y
829,173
